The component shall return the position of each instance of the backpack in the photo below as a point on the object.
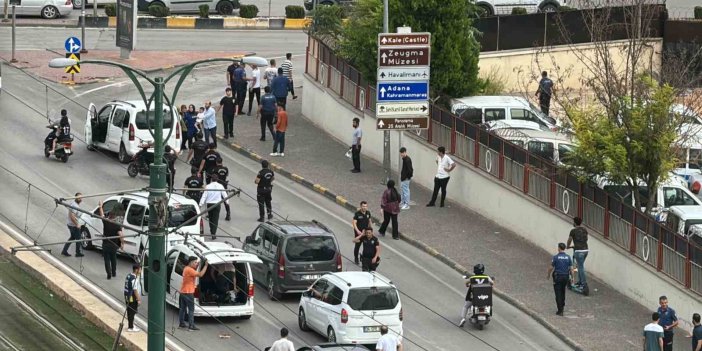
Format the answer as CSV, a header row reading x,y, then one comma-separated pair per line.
x,y
129,286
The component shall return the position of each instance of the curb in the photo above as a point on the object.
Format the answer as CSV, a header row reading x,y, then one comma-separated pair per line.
x,y
189,22
414,242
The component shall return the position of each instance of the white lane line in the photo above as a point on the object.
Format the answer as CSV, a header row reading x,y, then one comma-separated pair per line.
x,y
506,324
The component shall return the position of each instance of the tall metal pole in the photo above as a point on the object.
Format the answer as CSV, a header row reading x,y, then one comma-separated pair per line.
x,y
6,11
82,27
14,20
158,204
386,133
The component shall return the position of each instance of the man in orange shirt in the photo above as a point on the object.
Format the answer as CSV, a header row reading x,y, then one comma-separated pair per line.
x,y
280,127
187,293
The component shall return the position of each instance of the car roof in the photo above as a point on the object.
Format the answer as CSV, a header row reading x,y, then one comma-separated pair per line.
x,y
535,134
136,104
492,101
173,198
686,212
300,227
356,279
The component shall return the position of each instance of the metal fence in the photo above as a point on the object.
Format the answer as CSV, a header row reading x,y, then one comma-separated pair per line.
x,y
635,232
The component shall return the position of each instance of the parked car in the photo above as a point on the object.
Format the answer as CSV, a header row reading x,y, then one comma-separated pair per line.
x,y
309,4
181,209
686,221
49,9
350,307
486,109
222,7
550,145
120,126
294,254
504,7
334,347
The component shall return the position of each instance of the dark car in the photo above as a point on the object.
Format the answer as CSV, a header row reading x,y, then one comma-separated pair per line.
x,y
309,4
294,255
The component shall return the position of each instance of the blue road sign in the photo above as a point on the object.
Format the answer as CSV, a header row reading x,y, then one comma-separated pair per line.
x,y
72,45
403,91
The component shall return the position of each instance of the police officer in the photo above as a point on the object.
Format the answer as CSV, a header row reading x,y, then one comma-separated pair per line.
x,y
197,152
222,173
264,180
361,221
370,257
668,320
209,162
170,157
478,277
194,182
560,270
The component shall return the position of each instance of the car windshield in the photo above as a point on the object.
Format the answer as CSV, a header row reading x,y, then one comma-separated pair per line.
x,y
373,298
310,248
179,214
141,119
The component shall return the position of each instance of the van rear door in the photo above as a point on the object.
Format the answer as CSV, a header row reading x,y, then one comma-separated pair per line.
x,y
372,307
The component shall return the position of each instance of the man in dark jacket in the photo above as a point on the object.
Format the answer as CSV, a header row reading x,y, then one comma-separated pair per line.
x,y
405,177
266,111
280,86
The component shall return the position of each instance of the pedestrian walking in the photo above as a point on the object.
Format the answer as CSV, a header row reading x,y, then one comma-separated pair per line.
x,y
361,221
254,87
73,227
214,194
578,237
388,342
279,87
229,108
444,167
653,334
356,145
222,173
197,152
283,344
560,270
132,296
186,302
266,111
209,123
264,189
287,67
281,125
113,237
209,162
194,182
544,92
270,72
170,156
696,333
668,320
406,174
390,204
370,256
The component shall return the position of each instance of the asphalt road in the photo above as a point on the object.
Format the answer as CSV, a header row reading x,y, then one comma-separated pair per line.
x,y
432,293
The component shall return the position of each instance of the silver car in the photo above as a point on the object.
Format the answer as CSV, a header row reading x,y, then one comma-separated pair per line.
x,y
45,8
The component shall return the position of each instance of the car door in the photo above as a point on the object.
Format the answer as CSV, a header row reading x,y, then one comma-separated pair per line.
x,y
95,226
171,259
90,118
114,129
252,245
316,312
176,280
100,126
134,217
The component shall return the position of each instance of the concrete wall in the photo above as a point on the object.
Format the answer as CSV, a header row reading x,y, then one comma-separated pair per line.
x,y
471,188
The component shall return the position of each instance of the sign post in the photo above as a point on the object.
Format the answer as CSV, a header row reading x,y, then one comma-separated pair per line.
x,y
126,27
73,47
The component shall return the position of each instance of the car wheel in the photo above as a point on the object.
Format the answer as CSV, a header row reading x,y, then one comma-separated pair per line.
x,y
302,320
49,12
85,234
549,8
77,4
225,8
272,294
331,335
122,156
484,10
132,170
327,3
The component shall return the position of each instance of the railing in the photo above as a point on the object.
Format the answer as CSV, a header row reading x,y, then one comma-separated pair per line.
x,y
636,233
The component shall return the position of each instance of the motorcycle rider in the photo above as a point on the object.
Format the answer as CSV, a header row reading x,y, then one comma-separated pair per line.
x,y
477,278
144,157
63,133
223,172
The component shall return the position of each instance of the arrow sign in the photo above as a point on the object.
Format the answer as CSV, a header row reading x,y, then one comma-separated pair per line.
x,y
410,109
403,91
72,45
381,124
403,39
403,56
403,74
402,123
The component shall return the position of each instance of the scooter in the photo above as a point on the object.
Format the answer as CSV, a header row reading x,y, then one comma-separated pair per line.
x,y
577,287
140,162
481,309
63,147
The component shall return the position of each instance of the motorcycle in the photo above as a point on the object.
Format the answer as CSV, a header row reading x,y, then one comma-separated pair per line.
x,y
141,161
481,308
577,287
63,145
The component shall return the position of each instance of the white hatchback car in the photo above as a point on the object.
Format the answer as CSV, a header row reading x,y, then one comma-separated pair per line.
x,y
504,7
120,126
49,9
350,307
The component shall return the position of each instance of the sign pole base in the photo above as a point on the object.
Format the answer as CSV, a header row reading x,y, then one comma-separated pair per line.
x,y
125,54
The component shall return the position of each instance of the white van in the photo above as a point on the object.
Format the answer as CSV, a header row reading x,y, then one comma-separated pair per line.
x,y
181,209
120,126
547,144
226,289
350,307
515,109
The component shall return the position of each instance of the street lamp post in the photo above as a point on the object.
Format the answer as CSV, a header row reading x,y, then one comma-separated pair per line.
x,y
158,198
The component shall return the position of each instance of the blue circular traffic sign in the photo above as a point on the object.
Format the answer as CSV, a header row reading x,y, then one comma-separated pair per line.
x,y
72,45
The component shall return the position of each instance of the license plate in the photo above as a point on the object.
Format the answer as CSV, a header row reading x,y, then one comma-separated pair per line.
x,y
374,329
310,276
481,318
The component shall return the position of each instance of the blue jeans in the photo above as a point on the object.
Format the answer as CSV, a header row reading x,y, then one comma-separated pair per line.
x,y
279,141
75,235
405,188
186,302
212,132
580,257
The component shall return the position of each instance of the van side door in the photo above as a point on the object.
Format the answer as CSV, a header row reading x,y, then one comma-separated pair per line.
x,y
134,217
114,129
253,245
176,281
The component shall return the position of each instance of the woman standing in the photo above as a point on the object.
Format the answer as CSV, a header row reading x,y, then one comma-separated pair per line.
x,y
189,129
390,204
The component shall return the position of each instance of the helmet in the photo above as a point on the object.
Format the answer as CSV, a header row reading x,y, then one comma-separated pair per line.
x,y
478,269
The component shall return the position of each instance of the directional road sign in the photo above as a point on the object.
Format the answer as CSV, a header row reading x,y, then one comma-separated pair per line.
x,y
72,45
402,123
403,91
403,56
402,109
73,68
404,39
403,74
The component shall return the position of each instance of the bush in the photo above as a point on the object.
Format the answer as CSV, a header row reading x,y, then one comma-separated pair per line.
x,y
110,9
566,9
158,10
294,11
248,11
519,11
698,12
204,11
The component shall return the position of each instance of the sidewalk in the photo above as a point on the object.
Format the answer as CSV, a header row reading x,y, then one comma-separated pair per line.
x,y
606,320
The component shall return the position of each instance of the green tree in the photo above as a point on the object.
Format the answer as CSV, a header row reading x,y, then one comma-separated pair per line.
x,y
327,24
454,52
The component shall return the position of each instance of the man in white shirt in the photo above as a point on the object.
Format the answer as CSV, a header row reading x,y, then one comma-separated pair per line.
x,y
445,166
270,72
283,344
214,193
387,342
254,87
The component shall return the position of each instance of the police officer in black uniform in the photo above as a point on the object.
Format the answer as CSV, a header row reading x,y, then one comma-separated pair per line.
x,y
264,180
170,157
194,182
478,277
209,162
370,257
223,172
361,221
560,270
197,151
